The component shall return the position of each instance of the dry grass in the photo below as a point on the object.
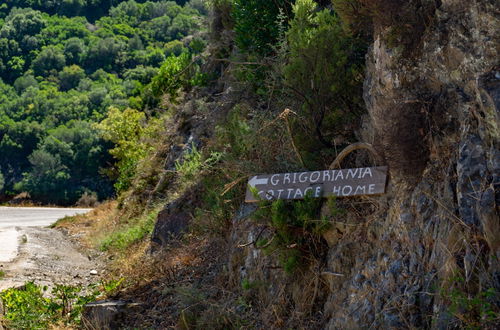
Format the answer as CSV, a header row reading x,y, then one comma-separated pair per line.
x,y
91,227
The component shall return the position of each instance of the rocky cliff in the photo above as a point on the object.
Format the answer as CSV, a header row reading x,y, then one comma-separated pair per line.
x,y
426,253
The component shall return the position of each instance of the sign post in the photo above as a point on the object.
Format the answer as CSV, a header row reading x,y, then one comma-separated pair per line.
x,y
341,183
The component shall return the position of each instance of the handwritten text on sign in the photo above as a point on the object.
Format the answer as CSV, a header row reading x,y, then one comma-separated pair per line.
x,y
341,183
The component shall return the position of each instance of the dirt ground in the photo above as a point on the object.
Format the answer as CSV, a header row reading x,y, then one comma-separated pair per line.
x,y
49,256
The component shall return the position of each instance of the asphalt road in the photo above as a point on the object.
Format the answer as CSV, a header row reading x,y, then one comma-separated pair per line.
x,y
15,217
34,216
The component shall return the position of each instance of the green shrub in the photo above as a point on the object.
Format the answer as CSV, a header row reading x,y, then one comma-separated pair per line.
x,y
193,163
218,206
176,73
257,25
125,129
30,307
474,310
236,133
297,228
324,70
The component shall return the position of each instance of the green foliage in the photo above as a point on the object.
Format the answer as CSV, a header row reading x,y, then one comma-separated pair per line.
x,y
174,47
297,229
2,181
474,310
70,77
49,61
325,69
24,82
65,164
176,73
193,163
65,67
236,133
130,233
30,307
125,129
256,24
218,205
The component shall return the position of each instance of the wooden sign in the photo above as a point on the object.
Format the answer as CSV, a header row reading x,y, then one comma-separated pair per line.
x,y
341,183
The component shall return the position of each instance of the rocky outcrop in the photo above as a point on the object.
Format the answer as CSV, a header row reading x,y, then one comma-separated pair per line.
x,y
435,117
431,243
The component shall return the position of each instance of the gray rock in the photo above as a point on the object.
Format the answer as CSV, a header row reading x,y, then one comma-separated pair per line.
x,y
471,169
175,218
245,211
103,314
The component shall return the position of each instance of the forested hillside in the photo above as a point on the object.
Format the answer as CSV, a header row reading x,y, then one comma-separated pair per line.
x,y
65,66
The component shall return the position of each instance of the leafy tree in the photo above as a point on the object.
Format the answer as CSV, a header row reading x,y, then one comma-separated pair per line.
x,y
74,51
67,163
182,25
72,7
103,53
24,82
64,64
70,77
124,129
174,47
22,22
157,28
155,57
169,79
49,61
47,179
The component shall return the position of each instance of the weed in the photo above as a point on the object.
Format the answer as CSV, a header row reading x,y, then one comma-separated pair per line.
x,y
473,310
2,274
246,284
30,308
130,233
193,163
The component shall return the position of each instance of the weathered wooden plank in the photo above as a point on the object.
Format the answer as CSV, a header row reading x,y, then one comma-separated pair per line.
x,y
341,183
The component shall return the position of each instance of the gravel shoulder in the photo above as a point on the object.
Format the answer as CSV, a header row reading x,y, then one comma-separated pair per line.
x,y
49,256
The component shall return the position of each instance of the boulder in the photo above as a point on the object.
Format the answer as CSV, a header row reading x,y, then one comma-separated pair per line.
x,y
105,314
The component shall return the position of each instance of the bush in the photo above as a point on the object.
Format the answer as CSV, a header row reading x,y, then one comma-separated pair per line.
x,y
325,70
88,199
176,73
297,230
125,129
193,163
474,308
257,25
30,307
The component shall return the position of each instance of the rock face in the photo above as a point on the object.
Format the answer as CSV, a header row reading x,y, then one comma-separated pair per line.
x,y
174,219
434,115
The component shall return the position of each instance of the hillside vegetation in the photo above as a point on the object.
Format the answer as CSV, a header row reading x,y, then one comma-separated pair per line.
x,y
66,66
